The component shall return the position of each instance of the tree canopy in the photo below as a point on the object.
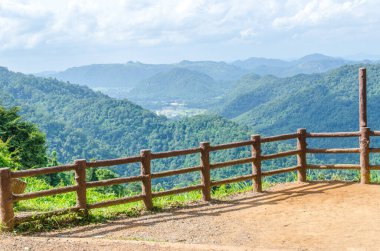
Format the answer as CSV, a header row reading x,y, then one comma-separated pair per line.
x,y
22,145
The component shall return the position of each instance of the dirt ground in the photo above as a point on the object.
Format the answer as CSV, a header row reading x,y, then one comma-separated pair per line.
x,y
294,216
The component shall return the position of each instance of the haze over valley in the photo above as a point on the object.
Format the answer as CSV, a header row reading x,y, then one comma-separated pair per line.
x,y
190,87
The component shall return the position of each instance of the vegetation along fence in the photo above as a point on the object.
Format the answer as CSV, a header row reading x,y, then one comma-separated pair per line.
x,y
7,198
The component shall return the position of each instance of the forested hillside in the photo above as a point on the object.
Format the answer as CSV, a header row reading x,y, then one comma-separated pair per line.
x,y
80,123
318,102
179,85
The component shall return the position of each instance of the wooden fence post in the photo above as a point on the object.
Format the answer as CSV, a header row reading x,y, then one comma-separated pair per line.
x,y
6,201
147,180
80,179
362,97
301,156
256,163
205,171
364,155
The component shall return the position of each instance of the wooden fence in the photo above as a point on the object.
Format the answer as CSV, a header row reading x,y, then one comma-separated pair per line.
x,y
7,198
9,220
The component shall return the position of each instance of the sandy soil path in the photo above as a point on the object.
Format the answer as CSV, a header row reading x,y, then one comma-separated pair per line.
x,y
306,216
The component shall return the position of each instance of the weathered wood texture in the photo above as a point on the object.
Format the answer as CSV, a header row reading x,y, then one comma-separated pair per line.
x,y
374,150
279,137
231,145
231,163
374,167
256,164
364,155
175,153
146,185
333,150
28,196
282,170
80,179
114,162
335,166
362,97
280,155
375,133
6,202
42,171
301,156
115,181
205,173
332,134
176,172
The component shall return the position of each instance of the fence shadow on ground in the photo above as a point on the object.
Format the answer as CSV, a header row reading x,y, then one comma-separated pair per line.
x,y
213,209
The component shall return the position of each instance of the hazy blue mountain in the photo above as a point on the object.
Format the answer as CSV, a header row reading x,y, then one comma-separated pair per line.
x,y
109,76
219,71
314,63
117,80
176,85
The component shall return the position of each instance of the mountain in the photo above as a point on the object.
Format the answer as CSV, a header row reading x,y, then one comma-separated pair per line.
x,y
318,102
81,123
220,71
118,79
313,63
109,76
259,62
176,85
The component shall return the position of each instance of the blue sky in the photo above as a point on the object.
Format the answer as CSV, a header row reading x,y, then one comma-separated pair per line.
x,y
40,35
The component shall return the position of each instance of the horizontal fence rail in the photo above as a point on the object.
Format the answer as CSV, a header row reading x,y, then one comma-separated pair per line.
x,y
333,134
8,198
334,150
335,166
113,162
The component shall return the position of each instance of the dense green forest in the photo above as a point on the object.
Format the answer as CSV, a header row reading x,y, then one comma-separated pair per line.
x,y
323,102
318,102
80,123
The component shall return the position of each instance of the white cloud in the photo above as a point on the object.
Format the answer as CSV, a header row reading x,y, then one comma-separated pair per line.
x,y
319,12
124,24
128,21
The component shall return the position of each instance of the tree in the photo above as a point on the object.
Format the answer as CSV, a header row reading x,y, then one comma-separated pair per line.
x,y
5,156
24,142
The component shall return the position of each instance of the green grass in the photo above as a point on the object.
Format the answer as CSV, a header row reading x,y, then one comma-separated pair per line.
x,y
62,201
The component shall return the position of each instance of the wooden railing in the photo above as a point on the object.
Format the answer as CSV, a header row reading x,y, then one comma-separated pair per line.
x,y
7,198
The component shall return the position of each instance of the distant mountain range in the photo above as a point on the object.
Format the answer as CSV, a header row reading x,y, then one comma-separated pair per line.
x,y
314,63
131,80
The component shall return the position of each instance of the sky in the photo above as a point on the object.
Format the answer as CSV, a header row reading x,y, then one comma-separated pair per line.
x,y
52,35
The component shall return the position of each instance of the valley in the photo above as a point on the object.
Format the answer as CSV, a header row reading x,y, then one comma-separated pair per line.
x,y
196,84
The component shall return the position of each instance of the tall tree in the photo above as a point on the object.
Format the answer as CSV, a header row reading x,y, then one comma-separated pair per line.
x,y
24,142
